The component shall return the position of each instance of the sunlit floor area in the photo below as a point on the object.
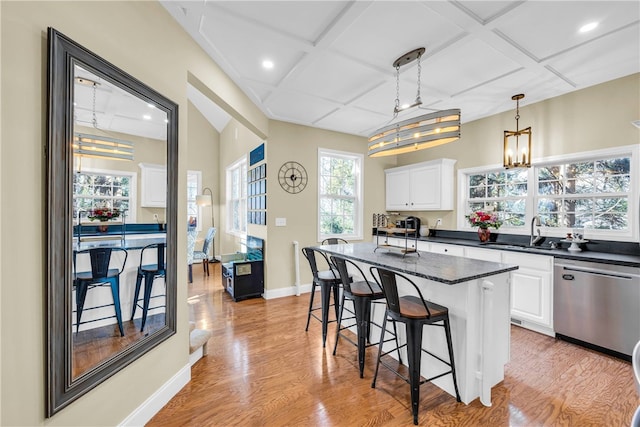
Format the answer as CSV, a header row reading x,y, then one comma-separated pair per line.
x,y
263,369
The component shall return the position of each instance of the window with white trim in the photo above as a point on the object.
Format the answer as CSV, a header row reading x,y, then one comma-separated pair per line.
x,y
585,194
237,197
194,179
104,188
591,190
339,194
502,191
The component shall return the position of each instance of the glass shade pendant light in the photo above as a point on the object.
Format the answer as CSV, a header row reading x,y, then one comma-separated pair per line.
x,y
517,145
425,131
94,145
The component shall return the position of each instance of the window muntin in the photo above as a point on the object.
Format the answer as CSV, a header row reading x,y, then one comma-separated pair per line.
x,y
503,191
237,197
114,189
339,194
590,194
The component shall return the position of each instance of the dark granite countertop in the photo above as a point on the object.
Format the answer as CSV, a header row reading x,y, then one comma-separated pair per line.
x,y
587,255
129,244
600,251
446,269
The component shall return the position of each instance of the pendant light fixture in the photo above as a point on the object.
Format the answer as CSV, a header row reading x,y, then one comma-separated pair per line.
x,y
94,145
426,131
517,145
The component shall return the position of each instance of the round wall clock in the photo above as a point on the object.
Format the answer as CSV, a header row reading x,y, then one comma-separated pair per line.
x,y
293,177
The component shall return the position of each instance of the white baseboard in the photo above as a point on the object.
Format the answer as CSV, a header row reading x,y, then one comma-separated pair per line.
x,y
285,292
195,356
158,399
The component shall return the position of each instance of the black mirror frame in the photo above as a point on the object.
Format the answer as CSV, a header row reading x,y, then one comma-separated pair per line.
x,y
61,389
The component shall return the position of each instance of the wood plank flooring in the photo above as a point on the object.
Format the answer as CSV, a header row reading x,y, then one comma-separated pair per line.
x,y
264,370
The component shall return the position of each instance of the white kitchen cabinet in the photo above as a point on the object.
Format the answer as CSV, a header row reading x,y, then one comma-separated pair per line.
x,y
483,254
441,248
153,185
531,291
420,187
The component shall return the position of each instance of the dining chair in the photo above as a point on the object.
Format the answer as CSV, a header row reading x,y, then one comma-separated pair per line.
x,y
148,272
105,271
363,294
414,312
204,253
328,281
334,241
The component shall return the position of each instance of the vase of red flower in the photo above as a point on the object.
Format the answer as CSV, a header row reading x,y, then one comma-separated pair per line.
x,y
484,220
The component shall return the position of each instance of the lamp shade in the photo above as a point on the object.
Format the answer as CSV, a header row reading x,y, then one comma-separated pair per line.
x,y
203,200
429,130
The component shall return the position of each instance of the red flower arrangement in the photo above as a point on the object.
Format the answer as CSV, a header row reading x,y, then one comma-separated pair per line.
x,y
103,214
484,220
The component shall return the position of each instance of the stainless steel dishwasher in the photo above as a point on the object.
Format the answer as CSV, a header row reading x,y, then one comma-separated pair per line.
x,y
597,305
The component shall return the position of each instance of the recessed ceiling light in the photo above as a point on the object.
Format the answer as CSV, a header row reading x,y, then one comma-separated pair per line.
x,y
147,117
267,64
588,27
151,106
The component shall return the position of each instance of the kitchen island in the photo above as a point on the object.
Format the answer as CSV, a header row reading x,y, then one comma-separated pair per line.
x,y
477,294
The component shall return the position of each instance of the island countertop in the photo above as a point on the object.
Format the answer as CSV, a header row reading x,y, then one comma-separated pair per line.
x,y
445,269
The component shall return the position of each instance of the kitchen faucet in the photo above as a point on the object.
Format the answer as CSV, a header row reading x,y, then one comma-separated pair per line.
x,y
534,240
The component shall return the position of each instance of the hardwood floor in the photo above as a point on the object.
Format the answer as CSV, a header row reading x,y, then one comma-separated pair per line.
x,y
264,370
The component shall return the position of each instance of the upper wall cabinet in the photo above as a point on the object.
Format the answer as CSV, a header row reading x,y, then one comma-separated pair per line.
x,y
153,185
426,186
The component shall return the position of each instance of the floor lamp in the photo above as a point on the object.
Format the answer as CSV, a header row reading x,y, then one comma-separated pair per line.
x,y
205,199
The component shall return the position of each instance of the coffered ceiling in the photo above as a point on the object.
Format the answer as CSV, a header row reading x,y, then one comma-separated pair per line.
x,y
333,59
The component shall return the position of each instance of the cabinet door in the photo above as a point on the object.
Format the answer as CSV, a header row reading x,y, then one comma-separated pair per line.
x,y
483,254
153,186
397,190
441,248
425,188
531,287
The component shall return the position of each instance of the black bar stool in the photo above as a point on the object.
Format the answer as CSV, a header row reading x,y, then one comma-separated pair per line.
x,y
148,272
328,281
415,312
362,294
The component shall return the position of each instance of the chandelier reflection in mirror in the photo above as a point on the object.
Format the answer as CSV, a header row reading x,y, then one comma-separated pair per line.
x,y
517,145
426,131
94,145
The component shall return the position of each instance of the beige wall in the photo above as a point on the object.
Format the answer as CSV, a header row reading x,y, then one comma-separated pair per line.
x,y
589,119
203,155
142,39
300,143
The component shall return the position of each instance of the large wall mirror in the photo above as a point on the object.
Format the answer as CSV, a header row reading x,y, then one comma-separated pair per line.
x,y
111,220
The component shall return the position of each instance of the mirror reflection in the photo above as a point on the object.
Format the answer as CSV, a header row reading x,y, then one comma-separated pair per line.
x,y
119,216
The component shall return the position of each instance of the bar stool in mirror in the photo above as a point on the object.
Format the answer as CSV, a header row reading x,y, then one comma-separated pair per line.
x,y
105,270
363,295
149,272
414,312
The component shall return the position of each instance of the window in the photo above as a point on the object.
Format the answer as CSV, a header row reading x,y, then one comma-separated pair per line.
x,y
503,191
194,211
585,194
339,194
592,190
115,189
237,197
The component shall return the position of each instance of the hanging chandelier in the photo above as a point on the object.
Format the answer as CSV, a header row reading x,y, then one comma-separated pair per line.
x,y
517,153
94,145
426,131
